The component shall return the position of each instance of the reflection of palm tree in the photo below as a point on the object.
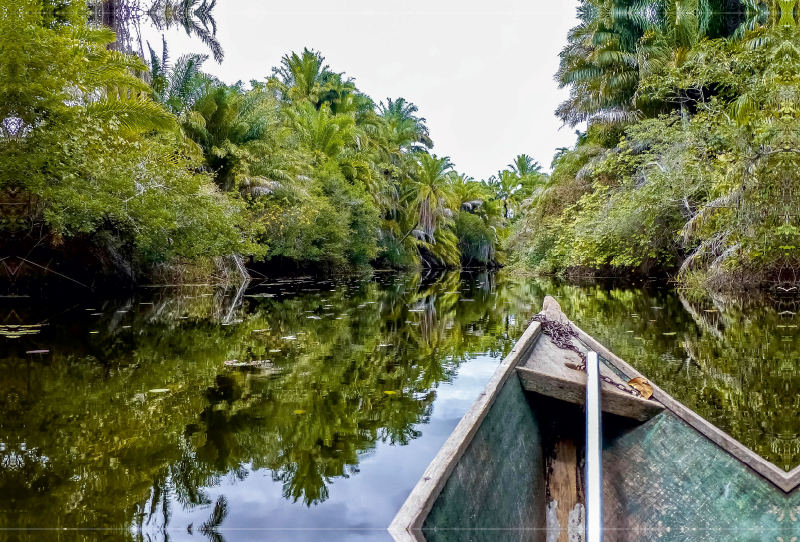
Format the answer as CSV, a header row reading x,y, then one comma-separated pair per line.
x,y
210,527
124,18
196,20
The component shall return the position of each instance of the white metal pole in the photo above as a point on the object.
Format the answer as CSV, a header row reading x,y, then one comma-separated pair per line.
x,y
594,451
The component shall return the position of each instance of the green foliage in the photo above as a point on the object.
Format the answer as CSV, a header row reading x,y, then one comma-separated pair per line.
x,y
95,158
476,241
702,189
168,164
332,178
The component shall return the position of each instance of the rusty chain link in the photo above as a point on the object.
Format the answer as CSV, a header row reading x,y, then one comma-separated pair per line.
x,y
561,334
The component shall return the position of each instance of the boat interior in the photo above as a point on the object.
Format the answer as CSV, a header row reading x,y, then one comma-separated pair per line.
x,y
513,469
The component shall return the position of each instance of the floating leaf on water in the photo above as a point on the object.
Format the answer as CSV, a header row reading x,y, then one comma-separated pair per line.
x,y
299,411
390,392
642,386
159,390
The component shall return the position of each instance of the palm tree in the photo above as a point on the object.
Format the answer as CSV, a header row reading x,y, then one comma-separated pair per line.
x,y
300,78
620,41
325,135
525,166
404,131
600,66
196,20
234,127
109,89
176,87
506,186
430,194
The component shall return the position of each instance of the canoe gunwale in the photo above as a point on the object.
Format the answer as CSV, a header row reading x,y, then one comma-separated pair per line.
x,y
786,481
407,524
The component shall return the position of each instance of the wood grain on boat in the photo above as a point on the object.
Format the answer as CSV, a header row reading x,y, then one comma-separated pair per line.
x,y
546,372
408,522
675,471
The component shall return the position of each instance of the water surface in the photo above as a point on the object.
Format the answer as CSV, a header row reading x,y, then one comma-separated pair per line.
x,y
301,409
302,405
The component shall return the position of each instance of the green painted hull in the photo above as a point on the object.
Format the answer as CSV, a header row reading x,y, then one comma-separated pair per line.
x,y
663,480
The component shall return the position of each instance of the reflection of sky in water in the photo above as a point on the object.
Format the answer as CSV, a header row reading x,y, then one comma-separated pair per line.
x,y
143,413
359,507
148,391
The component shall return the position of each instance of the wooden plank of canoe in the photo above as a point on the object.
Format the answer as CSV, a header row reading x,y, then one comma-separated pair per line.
x,y
562,484
407,524
547,371
541,377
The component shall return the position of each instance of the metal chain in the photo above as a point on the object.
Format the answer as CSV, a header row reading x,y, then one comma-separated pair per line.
x,y
561,334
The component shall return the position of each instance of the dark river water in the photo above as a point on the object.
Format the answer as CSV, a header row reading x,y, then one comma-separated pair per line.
x,y
308,410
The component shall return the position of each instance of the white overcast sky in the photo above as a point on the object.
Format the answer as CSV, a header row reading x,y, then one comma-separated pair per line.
x,y
481,73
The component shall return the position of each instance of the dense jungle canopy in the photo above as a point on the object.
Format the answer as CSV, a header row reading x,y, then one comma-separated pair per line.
x,y
118,158
689,161
141,164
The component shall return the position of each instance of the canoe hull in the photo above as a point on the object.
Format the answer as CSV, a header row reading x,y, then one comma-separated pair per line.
x,y
513,468
499,484
663,480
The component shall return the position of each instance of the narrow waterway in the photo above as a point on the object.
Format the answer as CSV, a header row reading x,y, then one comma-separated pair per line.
x,y
301,405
